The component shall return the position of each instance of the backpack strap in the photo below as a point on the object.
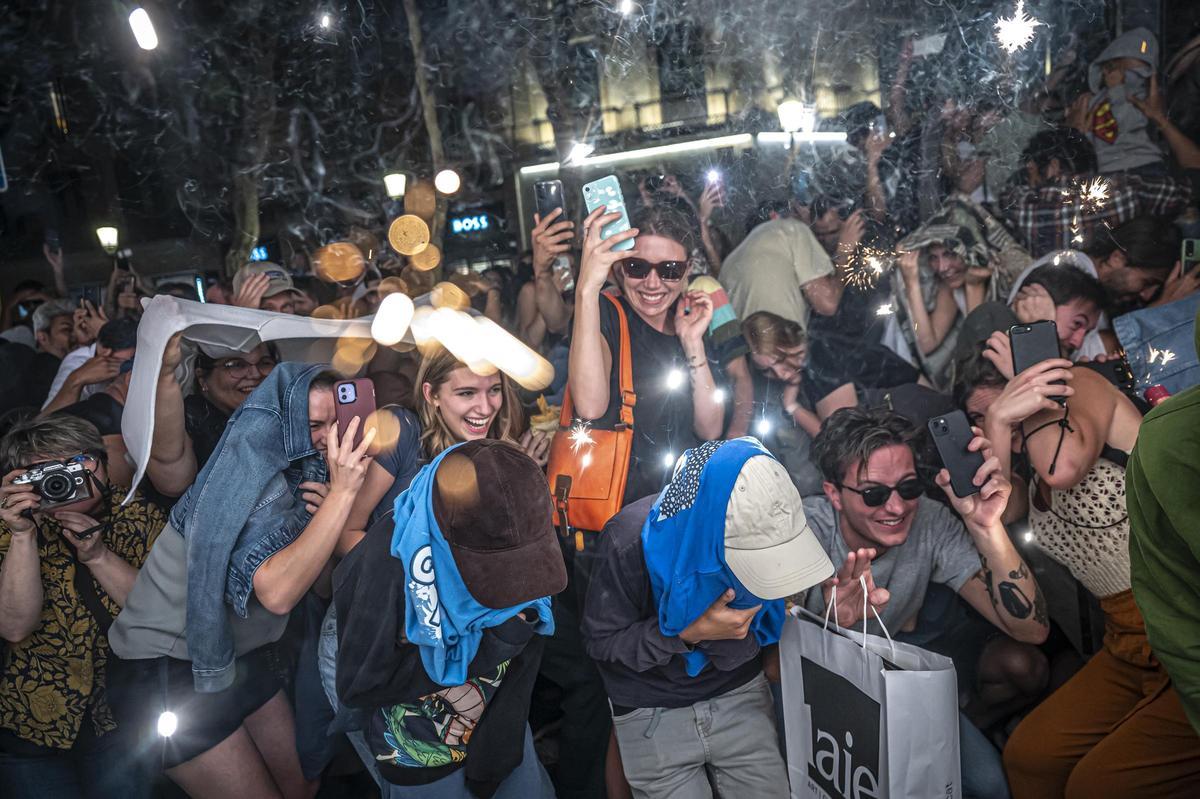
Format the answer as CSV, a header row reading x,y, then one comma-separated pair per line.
x,y
624,377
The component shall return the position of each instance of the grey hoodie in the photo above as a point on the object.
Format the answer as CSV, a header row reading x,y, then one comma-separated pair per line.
x,y
1119,131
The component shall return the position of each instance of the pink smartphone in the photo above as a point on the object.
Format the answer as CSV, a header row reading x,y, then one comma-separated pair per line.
x,y
354,398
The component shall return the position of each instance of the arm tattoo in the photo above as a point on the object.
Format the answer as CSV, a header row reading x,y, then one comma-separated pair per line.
x,y
1012,598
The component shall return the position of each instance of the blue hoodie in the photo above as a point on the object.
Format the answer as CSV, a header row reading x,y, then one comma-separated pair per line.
x,y
440,616
683,542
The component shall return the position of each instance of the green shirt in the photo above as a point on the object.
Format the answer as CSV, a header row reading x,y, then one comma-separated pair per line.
x,y
1162,486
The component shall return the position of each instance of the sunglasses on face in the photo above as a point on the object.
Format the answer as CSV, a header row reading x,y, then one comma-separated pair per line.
x,y
638,268
874,496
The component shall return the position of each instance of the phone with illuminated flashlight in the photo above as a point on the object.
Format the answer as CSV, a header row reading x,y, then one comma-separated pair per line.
x,y
547,196
354,398
607,192
199,282
1189,255
951,435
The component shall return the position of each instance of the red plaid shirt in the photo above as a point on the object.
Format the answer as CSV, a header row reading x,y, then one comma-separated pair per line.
x,y
1048,219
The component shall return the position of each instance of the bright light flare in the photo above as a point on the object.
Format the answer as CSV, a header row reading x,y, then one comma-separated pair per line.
x,y
762,426
579,151
1029,537
168,723
1016,31
580,435
447,181
795,116
719,396
1094,193
887,309
326,21
713,176
143,29
674,379
512,356
395,184
457,332
626,7
393,318
668,459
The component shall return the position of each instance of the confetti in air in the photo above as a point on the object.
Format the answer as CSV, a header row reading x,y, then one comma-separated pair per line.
x,y
581,436
1016,31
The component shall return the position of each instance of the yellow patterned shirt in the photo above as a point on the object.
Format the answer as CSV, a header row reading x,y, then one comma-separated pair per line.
x,y
50,681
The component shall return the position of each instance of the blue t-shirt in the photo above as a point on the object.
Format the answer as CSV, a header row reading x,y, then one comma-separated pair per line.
x,y
402,462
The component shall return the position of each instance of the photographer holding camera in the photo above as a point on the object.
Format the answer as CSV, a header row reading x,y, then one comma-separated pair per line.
x,y
69,554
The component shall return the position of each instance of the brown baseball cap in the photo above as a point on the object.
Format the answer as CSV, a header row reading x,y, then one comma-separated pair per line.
x,y
493,505
280,280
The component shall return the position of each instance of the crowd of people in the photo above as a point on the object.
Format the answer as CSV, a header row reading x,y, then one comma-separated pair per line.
x,y
282,601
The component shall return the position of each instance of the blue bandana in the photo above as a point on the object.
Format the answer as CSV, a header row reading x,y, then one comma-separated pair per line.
x,y
683,541
440,615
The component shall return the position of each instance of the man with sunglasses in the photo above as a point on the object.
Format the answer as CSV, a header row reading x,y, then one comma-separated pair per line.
x,y
874,520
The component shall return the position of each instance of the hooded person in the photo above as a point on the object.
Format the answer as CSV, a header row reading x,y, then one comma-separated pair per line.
x,y
438,627
688,588
964,258
1118,130
1163,497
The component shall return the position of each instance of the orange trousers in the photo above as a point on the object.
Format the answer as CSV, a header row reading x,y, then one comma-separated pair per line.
x,y
1116,729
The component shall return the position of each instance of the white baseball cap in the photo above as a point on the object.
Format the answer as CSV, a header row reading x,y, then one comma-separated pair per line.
x,y
768,543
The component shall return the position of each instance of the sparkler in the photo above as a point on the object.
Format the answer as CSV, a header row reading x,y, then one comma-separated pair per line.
x,y
1016,31
580,436
1093,194
867,266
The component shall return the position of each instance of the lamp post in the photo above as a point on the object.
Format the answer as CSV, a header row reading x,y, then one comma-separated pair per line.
x,y
395,183
109,238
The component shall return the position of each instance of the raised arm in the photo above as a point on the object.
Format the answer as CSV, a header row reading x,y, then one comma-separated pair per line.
x,y
929,329
172,466
591,361
21,594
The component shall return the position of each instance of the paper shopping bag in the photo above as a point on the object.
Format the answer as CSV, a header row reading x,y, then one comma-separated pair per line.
x,y
865,718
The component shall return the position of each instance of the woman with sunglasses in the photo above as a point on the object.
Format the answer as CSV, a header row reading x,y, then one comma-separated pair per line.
x,y
678,404
186,430
1089,738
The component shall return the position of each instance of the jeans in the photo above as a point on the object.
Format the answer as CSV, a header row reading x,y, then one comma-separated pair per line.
x,y
729,739
982,769
96,768
528,781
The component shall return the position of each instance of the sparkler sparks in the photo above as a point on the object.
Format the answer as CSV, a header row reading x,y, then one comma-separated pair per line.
x,y
887,309
1094,193
1163,356
867,266
1016,31
581,436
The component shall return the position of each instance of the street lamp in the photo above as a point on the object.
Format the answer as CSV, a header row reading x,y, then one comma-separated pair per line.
x,y
796,116
143,29
447,181
109,238
395,183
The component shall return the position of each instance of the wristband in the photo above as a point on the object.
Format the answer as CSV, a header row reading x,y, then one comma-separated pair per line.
x,y
791,409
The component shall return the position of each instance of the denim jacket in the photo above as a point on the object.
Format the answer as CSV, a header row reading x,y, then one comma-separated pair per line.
x,y
242,509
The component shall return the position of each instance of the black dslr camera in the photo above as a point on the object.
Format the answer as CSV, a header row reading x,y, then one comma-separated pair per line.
x,y
58,483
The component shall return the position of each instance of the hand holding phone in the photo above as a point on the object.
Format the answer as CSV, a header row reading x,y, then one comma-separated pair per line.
x,y
1034,343
548,196
606,193
952,435
354,398
1189,255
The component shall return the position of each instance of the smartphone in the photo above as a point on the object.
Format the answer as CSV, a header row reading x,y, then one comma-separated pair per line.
x,y
1189,254
879,126
951,435
607,192
354,398
548,195
199,280
1032,344
53,240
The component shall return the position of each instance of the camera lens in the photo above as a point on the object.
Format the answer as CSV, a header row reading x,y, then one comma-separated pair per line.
x,y
56,487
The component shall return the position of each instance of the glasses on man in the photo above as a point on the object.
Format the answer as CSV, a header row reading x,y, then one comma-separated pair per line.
x,y
238,368
876,495
639,268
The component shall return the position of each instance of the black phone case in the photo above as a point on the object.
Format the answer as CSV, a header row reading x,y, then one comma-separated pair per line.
x,y
545,200
951,435
1033,343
